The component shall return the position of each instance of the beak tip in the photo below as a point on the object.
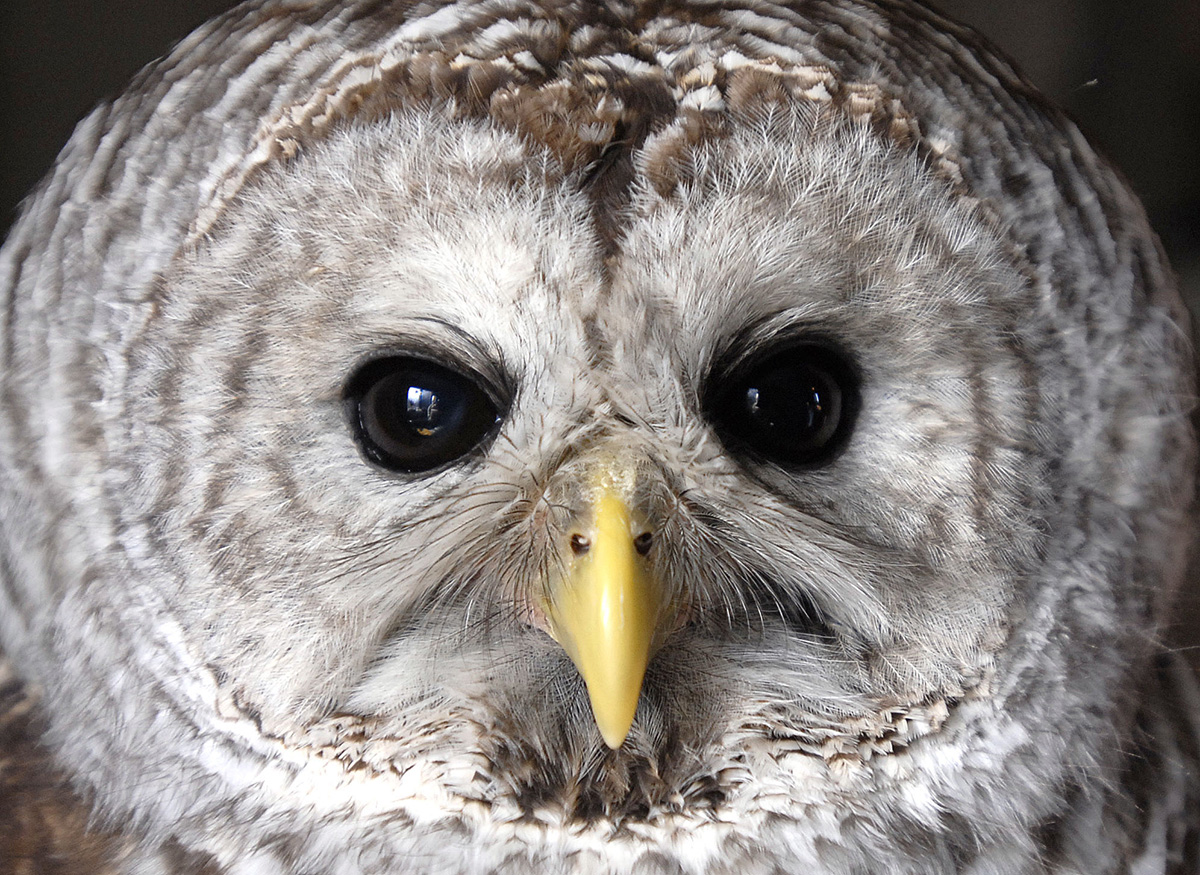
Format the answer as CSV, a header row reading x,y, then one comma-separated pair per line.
x,y
614,701
614,737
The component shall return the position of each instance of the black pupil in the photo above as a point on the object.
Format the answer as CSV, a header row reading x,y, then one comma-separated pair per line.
x,y
794,406
414,415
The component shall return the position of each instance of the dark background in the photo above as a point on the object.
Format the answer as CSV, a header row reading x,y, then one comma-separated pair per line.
x,y
1129,72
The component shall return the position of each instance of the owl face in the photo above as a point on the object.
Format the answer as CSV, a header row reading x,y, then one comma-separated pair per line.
x,y
695,439
428,387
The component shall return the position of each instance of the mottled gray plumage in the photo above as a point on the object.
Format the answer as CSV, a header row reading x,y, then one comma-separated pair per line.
x,y
255,650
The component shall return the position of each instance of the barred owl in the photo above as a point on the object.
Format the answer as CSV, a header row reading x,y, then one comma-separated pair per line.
x,y
724,436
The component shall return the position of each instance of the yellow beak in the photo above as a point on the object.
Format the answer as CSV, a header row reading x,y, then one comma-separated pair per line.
x,y
606,612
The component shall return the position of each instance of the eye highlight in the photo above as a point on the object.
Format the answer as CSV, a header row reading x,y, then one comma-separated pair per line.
x,y
412,415
794,405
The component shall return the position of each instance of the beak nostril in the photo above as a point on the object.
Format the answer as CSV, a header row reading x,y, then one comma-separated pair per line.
x,y
580,544
643,542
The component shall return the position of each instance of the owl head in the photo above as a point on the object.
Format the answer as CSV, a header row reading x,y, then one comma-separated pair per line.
x,y
594,437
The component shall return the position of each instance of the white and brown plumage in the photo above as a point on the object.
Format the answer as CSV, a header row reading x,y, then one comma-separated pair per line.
x,y
275,626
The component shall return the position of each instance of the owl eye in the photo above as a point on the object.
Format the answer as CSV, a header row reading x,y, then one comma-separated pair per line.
x,y
795,406
412,415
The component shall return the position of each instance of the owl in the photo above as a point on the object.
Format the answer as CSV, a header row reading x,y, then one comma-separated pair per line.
x,y
548,436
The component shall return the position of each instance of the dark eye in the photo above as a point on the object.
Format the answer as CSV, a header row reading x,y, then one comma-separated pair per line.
x,y
412,415
795,406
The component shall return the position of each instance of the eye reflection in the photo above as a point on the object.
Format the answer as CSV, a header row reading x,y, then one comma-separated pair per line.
x,y
423,410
